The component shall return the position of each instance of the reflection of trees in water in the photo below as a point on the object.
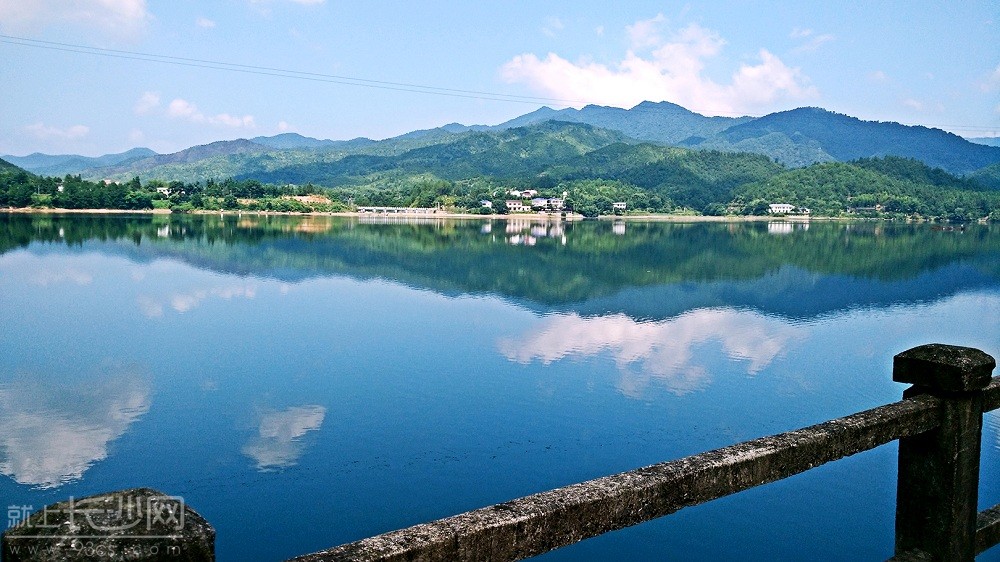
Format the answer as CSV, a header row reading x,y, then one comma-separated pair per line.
x,y
586,259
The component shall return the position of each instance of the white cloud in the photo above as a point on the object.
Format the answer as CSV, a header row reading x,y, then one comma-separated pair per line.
x,y
45,132
992,82
147,102
599,30
204,23
552,27
656,351
278,441
284,127
51,434
228,120
672,71
913,104
814,42
120,17
761,84
136,136
878,77
646,33
183,109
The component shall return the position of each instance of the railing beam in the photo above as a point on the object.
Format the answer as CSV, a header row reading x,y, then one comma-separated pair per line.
x,y
991,396
938,486
988,529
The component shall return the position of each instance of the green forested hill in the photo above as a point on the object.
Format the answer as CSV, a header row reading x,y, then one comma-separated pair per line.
x,y
872,187
16,185
913,170
988,176
687,178
7,167
520,152
298,159
807,135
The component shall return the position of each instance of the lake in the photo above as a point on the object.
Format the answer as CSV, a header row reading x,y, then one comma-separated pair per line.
x,y
308,381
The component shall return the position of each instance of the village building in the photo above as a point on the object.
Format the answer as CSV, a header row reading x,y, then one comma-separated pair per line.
x,y
515,206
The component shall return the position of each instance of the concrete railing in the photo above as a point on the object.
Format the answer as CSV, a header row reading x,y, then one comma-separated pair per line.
x,y
938,425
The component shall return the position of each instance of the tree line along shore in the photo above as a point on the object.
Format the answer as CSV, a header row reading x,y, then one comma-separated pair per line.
x,y
890,187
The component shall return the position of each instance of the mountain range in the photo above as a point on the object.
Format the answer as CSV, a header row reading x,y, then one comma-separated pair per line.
x,y
535,142
62,164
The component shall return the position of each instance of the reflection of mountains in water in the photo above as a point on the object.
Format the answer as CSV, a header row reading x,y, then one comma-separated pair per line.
x,y
652,271
791,293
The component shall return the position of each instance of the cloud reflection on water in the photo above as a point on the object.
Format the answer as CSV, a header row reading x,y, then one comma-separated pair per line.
x,y
278,443
51,434
662,352
69,274
185,301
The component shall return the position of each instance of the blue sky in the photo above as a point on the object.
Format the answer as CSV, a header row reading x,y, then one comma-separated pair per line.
x,y
918,62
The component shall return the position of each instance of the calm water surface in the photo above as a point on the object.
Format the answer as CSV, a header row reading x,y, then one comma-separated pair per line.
x,y
304,382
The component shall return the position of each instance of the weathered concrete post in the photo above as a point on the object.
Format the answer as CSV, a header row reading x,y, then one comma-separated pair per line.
x,y
938,488
138,525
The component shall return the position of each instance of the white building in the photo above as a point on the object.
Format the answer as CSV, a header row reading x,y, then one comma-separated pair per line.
x,y
780,208
516,206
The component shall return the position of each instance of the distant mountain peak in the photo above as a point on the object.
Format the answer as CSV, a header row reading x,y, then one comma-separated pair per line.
x,y
661,105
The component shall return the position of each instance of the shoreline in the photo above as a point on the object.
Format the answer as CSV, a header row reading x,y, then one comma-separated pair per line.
x,y
53,211
463,216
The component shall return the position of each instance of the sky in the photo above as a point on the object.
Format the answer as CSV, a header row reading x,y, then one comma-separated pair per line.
x,y
94,77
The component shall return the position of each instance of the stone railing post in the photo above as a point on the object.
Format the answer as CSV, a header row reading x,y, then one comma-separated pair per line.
x,y
938,488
